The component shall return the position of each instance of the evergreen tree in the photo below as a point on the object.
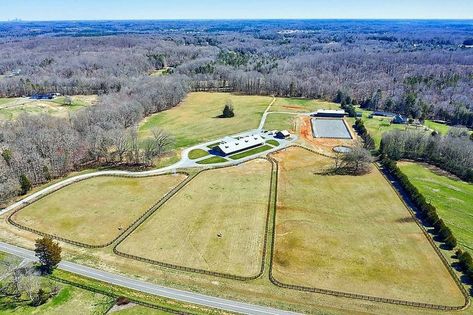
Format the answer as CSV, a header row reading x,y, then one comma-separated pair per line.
x,y
48,253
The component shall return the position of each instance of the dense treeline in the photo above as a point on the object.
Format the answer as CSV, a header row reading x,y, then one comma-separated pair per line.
x,y
452,152
368,141
419,69
427,211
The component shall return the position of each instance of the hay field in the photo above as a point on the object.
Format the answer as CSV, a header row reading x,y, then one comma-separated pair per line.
x,y
352,234
96,210
216,222
196,120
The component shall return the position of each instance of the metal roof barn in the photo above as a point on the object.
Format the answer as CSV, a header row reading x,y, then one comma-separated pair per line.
x,y
233,145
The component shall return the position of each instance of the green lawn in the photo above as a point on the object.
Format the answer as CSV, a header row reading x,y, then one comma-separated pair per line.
x,y
301,105
251,152
212,160
197,153
276,121
441,128
196,120
452,198
273,142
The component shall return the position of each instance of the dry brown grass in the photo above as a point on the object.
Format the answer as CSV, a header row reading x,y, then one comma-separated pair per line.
x,y
352,234
96,210
216,222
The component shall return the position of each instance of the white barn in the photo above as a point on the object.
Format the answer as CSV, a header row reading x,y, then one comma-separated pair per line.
x,y
232,145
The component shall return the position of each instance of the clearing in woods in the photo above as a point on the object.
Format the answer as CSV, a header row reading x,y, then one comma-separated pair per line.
x,y
216,222
96,210
352,234
11,108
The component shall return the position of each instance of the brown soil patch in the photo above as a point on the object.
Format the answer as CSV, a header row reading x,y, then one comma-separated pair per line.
x,y
293,107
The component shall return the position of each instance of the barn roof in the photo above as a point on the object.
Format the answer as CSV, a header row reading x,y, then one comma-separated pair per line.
x,y
230,145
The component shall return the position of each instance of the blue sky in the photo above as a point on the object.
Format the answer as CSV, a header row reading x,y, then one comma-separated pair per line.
x,y
233,9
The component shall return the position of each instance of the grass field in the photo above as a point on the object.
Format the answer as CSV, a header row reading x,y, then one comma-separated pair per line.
x,y
276,121
195,119
453,198
216,222
197,153
11,108
96,210
301,105
352,234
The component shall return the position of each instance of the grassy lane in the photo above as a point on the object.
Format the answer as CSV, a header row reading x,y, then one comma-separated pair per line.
x,y
453,199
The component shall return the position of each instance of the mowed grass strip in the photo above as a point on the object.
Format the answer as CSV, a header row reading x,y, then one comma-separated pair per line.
x,y
216,222
251,152
212,160
352,234
196,120
453,198
95,211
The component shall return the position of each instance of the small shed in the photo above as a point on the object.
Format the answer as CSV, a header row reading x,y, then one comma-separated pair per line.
x,y
283,134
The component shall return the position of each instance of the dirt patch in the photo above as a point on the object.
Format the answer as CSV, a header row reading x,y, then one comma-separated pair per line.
x,y
293,107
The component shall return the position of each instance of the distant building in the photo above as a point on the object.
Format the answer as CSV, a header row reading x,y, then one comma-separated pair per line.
x,y
283,134
398,119
383,114
43,96
339,113
232,145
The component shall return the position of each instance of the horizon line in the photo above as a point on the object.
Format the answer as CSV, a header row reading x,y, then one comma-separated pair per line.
x,y
19,20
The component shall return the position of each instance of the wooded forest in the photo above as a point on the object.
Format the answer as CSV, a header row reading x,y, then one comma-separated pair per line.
x,y
417,68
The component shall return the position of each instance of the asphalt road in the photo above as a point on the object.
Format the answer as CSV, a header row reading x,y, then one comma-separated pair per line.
x,y
150,288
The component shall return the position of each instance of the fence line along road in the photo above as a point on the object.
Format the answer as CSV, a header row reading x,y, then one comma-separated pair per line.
x,y
151,288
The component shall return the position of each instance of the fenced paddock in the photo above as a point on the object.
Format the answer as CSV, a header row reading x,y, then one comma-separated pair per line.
x,y
330,128
93,212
